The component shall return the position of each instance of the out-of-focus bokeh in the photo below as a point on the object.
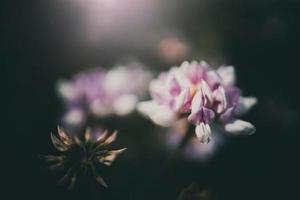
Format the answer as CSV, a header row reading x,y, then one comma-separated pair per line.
x,y
46,41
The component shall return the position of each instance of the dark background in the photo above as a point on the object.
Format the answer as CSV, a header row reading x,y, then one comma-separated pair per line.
x,y
260,38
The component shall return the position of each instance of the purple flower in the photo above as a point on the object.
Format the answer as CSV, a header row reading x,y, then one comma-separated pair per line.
x,y
206,96
103,93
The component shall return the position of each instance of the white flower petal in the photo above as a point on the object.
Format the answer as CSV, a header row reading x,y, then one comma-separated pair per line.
x,y
227,73
219,95
116,79
180,99
156,86
245,104
66,90
204,64
125,104
197,101
206,91
74,117
213,78
157,90
100,109
159,114
239,127
182,80
203,133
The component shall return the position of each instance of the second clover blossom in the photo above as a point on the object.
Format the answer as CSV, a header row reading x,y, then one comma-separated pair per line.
x,y
207,97
101,93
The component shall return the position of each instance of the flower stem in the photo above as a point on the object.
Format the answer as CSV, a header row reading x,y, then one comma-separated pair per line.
x,y
148,186
184,141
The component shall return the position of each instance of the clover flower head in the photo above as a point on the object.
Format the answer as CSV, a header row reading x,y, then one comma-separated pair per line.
x,y
207,97
101,93
78,156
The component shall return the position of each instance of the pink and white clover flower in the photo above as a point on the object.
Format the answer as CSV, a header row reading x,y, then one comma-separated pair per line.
x,y
207,97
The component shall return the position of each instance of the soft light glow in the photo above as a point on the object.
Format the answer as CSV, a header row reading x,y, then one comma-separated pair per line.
x,y
106,19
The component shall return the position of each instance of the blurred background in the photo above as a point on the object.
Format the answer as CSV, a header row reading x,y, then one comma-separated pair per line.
x,y
43,41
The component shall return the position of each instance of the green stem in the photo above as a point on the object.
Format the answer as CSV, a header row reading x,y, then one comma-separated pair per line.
x,y
189,134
